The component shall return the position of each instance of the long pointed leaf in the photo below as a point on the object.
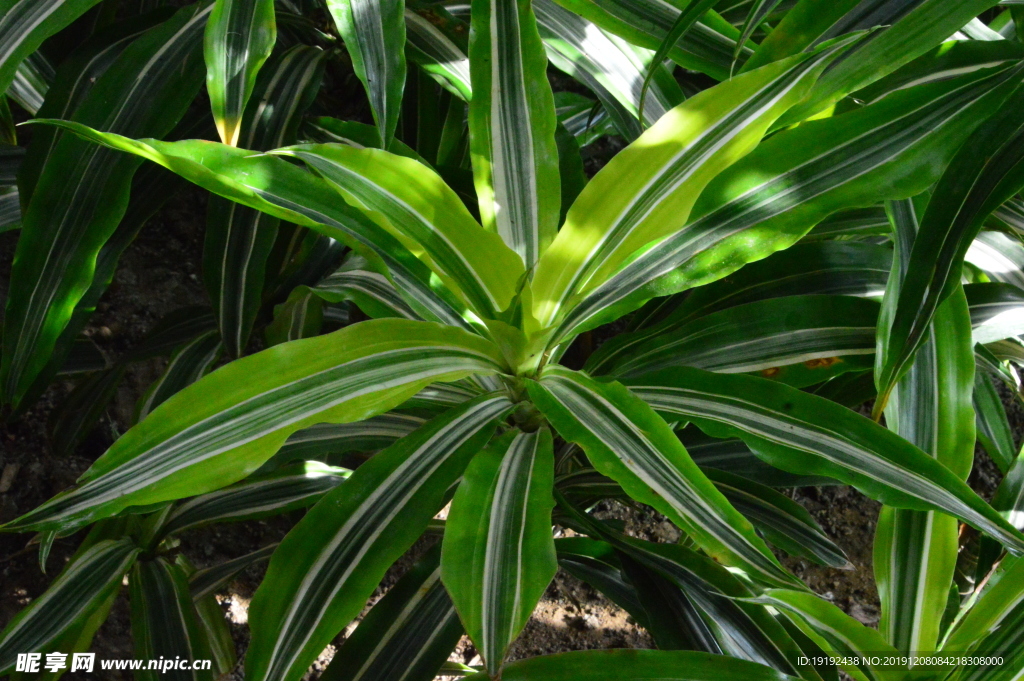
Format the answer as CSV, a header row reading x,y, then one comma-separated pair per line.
x,y
804,433
331,562
629,443
374,34
499,555
240,35
226,425
512,127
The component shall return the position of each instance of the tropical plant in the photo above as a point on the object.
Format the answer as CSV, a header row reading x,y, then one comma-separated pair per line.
x,y
815,207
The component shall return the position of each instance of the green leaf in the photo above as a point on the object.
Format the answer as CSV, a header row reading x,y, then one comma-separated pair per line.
x,y
279,188
165,624
372,292
821,332
931,407
86,583
82,193
190,362
631,444
907,30
734,456
635,665
835,631
325,439
807,434
240,36
707,48
999,256
691,12
239,239
997,311
407,635
10,209
223,427
333,559
992,426
437,44
992,612
499,555
290,488
416,205
597,563
25,24
374,34
769,199
203,583
301,316
782,521
758,12
982,176
512,127
612,68
646,191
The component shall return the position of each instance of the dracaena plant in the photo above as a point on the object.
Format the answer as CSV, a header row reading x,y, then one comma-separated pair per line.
x,y
825,215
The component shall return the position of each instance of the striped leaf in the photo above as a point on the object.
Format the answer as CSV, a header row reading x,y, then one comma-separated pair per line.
x,y
374,35
992,426
734,456
707,48
931,407
836,632
597,563
728,626
25,24
612,68
83,190
203,583
84,585
498,555
437,43
240,36
758,12
992,612
766,201
782,521
333,559
646,191
217,632
292,487
629,443
1000,256
856,223
31,82
997,311
223,427
301,316
239,239
635,665
418,207
8,135
512,127
277,187
188,364
326,439
10,209
407,635
373,293
818,332
904,31
982,176
804,433
165,624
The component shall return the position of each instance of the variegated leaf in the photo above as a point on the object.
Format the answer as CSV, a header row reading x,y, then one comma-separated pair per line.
x,y
223,427
767,200
331,562
240,36
437,44
499,555
406,636
804,433
646,191
374,34
203,583
512,127
289,488
631,444
426,215
87,581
